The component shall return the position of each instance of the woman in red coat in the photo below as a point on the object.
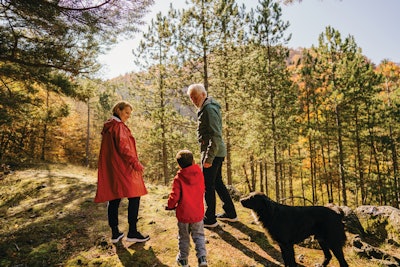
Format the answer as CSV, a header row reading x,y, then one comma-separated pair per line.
x,y
120,174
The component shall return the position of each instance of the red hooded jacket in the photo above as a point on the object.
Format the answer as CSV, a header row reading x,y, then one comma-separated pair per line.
x,y
120,174
187,194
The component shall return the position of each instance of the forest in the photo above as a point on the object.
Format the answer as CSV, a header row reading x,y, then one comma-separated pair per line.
x,y
313,125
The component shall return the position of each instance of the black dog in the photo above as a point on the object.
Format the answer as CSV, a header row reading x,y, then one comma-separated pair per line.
x,y
289,225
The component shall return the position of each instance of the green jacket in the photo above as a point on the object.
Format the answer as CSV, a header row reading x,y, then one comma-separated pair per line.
x,y
209,131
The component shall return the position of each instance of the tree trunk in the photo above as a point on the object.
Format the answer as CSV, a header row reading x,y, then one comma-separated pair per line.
x,y
282,181
42,157
87,133
163,125
246,177
266,177
274,141
360,160
228,135
329,178
252,173
290,176
375,156
341,155
395,169
261,176
394,153
301,179
325,174
228,158
310,150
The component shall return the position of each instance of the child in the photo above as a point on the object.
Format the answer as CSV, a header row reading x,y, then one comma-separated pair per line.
x,y
187,198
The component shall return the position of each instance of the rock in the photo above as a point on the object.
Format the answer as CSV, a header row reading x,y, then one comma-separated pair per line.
x,y
367,251
351,221
394,225
382,222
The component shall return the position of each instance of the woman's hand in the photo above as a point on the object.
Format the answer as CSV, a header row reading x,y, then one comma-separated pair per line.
x,y
137,166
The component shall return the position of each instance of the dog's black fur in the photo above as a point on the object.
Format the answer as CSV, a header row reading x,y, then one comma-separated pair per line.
x,y
289,225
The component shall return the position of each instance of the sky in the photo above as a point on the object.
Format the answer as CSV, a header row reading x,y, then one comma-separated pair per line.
x,y
374,24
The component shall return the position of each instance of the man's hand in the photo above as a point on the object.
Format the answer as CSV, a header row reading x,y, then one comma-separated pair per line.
x,y
207,165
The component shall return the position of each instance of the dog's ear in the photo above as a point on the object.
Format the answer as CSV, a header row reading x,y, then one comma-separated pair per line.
x,y
269,205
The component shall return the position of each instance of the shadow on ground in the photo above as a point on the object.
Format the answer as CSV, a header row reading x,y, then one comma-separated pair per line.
x,y
254,237
140,257
261,240
46,221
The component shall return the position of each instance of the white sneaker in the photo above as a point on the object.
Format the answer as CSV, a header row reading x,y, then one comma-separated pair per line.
x,y
137,237
202,261
224,217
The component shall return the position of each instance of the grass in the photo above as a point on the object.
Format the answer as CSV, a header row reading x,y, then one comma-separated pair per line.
x,y
48,218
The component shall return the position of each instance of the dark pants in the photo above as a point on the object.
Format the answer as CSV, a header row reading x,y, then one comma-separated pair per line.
x,y
214,183
133,211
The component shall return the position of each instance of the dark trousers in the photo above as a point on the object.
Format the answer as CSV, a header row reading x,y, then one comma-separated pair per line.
x,y
133,212
214,183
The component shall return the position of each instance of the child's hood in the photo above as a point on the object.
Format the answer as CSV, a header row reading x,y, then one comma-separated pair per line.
x,y
191,175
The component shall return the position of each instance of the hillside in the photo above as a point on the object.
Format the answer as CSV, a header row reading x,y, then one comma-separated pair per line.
x,y
48,218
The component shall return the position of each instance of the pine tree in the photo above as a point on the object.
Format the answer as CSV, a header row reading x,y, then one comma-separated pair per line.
x,y
270,75
160,91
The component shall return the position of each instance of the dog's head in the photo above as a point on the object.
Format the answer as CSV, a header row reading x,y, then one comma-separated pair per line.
x,y
256,201
262,207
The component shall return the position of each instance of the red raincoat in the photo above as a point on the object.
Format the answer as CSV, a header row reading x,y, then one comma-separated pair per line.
x,y
187,195
120,174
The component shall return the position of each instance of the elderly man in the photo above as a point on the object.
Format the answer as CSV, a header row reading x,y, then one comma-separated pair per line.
x,y
213,152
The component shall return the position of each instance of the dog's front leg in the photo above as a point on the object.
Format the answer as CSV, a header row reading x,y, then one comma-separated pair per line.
x,y
287,252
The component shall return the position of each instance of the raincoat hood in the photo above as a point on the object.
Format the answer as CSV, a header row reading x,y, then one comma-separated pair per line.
x,y
109,124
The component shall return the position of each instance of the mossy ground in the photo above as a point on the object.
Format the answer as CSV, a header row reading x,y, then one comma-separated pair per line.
x,y
48,218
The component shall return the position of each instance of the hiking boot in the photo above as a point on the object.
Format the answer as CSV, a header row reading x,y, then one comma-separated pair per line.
x,y
137,237
182,263
225,217
210,223
202,261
